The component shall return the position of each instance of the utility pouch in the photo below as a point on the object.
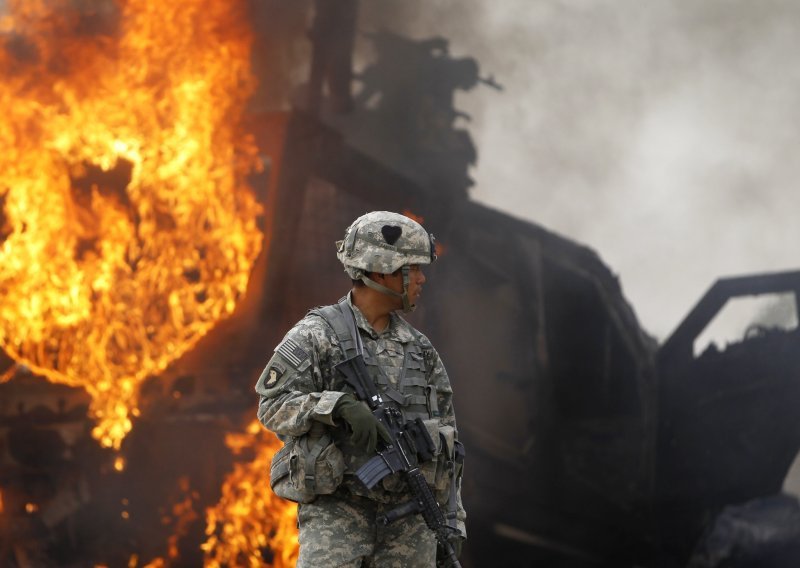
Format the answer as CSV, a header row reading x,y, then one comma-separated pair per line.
x,y
307,466
445,465
438,471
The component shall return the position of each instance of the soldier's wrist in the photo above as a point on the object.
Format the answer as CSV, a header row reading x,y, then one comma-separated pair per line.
x,y
324,410
345,401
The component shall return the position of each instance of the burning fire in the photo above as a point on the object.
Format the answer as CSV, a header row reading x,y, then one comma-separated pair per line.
x,y
440,247
126,231
413,216
249,518
185,514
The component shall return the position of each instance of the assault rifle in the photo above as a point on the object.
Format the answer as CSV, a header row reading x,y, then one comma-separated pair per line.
x,y
410,445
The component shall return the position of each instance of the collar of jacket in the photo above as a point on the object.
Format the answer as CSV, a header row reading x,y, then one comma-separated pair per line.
x,y
397,330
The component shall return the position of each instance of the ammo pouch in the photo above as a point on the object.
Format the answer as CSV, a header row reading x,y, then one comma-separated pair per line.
x,y
307,466
440,472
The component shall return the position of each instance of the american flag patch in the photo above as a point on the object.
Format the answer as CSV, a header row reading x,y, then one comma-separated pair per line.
x,y
292,352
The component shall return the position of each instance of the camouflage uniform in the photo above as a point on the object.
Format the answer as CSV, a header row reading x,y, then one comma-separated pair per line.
x,y
298,388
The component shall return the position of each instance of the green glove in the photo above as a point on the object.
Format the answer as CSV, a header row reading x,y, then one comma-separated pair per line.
x,y
364,425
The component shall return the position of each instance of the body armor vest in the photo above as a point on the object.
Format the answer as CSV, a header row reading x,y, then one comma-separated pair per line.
x,y
412,394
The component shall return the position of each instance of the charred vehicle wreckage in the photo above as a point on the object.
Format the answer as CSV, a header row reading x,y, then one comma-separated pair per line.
x,y
129,444
587,443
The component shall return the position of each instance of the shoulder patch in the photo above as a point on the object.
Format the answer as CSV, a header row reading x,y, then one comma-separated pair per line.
x,y
275,372
292,352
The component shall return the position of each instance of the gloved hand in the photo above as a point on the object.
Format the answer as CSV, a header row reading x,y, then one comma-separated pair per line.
x,y
365,427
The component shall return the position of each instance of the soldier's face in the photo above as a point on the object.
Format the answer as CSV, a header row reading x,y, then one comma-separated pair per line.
x,y
416,278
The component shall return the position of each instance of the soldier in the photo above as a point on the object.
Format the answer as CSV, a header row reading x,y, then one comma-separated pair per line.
x,y
328,434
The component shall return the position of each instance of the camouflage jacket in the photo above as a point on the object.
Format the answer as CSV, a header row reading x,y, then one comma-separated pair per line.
x,y
298,387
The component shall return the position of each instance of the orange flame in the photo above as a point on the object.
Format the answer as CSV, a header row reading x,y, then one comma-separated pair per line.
x,y
441,248
184,514
413,216
126,231
249,518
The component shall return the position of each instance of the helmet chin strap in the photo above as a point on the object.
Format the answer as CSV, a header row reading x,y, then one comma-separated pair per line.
x,y
408,307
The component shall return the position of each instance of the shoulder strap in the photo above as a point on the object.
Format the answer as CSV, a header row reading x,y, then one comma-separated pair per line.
x,y
350,318
336,317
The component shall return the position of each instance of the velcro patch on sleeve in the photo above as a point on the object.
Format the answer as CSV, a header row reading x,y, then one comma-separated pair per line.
x,y
292,352
275,372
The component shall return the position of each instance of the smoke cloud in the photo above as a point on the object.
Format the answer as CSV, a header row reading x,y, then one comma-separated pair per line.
x,y
659,133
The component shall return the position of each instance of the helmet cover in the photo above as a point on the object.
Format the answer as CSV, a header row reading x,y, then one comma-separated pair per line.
x,y
383,242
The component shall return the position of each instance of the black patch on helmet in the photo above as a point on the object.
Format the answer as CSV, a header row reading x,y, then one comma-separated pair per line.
x,y
391,233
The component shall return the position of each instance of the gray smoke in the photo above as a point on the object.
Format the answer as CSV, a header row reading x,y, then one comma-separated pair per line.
x,y
659,133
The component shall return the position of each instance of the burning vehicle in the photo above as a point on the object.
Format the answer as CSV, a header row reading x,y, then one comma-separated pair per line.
x,y
128,232
156,239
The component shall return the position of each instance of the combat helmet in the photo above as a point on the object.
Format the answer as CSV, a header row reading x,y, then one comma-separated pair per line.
x,y
383,242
